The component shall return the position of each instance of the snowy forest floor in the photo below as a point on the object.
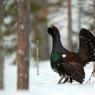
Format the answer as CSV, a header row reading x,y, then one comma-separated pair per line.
x,y
46,82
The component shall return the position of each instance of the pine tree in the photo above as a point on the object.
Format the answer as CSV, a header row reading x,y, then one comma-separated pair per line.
x,y
69,24
1,49
94,32
23,44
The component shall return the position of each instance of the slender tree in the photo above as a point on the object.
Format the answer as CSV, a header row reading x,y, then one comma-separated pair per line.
x,y
23,44
94,32
1,48
79,14
69,24
79,18
1,62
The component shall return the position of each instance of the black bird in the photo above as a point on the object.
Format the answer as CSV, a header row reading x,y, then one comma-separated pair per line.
x,y
70,65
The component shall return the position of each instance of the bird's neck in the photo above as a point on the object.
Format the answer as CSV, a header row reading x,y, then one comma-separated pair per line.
x,y
56,44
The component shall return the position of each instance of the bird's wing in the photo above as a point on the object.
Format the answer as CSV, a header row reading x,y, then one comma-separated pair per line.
x,y
75,70
87,45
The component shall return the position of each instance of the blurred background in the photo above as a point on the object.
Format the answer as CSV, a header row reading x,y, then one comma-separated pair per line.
x,y
68,15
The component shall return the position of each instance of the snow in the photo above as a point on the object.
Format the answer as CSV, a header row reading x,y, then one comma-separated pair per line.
x,y
7,20
46,82
10,41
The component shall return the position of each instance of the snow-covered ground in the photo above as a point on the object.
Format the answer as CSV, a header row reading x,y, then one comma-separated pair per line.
x,y
46,82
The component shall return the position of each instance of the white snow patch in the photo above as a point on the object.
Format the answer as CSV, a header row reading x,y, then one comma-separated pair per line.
x,y
46,82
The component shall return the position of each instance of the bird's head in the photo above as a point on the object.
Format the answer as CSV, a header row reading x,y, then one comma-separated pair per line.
x,y
53,31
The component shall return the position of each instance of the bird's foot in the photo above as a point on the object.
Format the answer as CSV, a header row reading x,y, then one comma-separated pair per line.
x,y
66,80
59,82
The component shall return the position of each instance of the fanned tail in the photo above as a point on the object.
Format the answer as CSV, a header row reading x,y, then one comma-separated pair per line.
x,y
87,45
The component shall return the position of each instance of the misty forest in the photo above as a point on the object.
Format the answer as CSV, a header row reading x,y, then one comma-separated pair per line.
x,y
47,47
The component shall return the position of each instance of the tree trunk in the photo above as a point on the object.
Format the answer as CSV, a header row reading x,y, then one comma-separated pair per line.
x,y
1,63
80,8
94,33
79,14
23,44
69,24
1,49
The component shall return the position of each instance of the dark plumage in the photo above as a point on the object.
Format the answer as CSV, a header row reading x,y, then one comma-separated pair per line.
x,y
70,65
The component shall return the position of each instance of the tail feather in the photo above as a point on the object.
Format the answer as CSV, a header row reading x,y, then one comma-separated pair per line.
x,y
87,46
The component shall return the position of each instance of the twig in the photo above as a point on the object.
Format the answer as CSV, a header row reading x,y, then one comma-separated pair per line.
x,y
89,78
37,57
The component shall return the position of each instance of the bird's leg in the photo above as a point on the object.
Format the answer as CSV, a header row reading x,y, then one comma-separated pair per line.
x,y
71,80
66,80
59,82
